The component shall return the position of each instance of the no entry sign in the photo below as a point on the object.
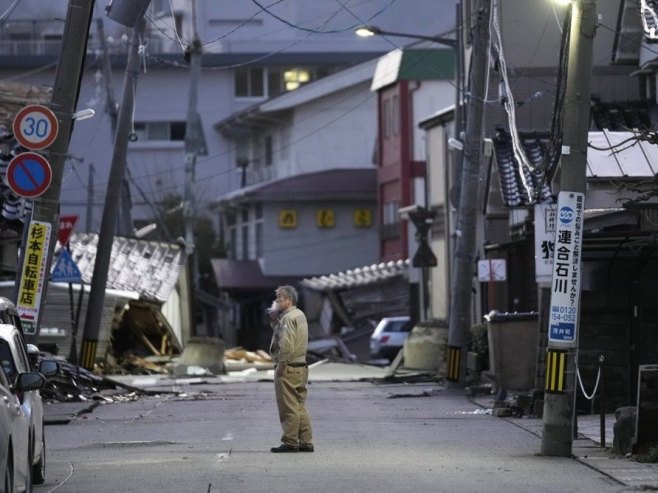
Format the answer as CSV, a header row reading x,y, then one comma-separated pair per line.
x,y
35,127
29,175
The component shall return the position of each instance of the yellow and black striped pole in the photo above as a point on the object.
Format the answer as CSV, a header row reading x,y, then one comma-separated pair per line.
x,y
88,354
454,363
556,370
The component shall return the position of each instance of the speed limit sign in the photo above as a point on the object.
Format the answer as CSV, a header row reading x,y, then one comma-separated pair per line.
x,y
35,127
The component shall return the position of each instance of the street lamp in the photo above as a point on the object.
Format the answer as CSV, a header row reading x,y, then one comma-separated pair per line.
x,y
421,216
369,31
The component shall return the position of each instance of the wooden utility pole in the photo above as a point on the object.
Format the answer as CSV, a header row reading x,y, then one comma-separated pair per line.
x,y
66,89
564,312
467,219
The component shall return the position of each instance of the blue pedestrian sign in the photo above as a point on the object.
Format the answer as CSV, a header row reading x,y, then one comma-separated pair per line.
x,y
66,270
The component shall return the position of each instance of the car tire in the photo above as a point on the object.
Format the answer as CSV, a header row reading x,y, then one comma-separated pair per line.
x,y
39,469
9,473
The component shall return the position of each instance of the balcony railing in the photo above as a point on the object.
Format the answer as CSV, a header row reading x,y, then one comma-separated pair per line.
x,y
39,47
30,47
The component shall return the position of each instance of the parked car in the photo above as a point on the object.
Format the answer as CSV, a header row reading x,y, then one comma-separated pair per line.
x,y
15,452
389,336
15,363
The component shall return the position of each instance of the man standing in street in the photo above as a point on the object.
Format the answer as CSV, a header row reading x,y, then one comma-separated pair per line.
x,y
288,349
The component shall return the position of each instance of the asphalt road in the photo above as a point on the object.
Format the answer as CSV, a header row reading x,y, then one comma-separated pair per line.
x,y
216,438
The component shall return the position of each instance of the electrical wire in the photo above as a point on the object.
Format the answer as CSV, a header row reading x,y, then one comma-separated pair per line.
x,y
7,13
541,172
266,10
420,60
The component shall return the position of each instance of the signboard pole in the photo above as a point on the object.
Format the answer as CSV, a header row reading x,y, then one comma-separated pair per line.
x,y
563,316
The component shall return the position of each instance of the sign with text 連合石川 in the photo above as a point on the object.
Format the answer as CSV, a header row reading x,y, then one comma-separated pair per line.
x,y
565,288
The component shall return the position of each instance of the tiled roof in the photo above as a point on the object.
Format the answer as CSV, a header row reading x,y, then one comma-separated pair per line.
x,y
149,268
621,116
512,188
358,277
611,119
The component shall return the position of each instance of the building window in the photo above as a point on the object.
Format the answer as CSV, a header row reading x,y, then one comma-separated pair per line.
x,y
259,240
395,115
233,242
386,128
245,242
295,77
249,83
162,131
269,152
262,82
390,212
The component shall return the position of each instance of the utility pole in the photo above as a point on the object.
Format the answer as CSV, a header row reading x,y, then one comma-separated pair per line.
x,y
66,89
564,313
90,199
466,231
125,222
110,211
192,144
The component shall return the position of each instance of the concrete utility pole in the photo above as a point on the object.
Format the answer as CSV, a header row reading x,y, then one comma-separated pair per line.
x,y
466,231
90,199
563,316
66,90
125,222
192,144
111,209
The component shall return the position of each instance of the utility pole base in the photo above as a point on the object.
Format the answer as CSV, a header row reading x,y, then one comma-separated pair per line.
x,y
557,436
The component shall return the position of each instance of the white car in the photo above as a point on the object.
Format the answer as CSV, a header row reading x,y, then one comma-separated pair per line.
x,y
14,361
389,336
15,452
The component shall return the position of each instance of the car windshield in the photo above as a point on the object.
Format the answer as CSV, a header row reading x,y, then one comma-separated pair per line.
x,y
6,359
398,326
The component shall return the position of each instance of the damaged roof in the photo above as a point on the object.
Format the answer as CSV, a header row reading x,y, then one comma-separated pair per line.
x,y
358,277
611,155
149,268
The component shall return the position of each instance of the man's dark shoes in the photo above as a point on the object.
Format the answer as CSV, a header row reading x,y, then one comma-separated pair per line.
x,y
306,447
284,448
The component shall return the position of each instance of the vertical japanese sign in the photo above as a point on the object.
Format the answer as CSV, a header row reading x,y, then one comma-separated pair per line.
x,y
33,275
545,218
565,289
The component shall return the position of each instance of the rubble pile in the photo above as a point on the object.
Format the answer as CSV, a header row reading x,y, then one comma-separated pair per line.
x,y
73,383
241,355
238,358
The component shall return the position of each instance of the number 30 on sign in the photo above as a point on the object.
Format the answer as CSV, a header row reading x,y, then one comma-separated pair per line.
x,y
35,127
